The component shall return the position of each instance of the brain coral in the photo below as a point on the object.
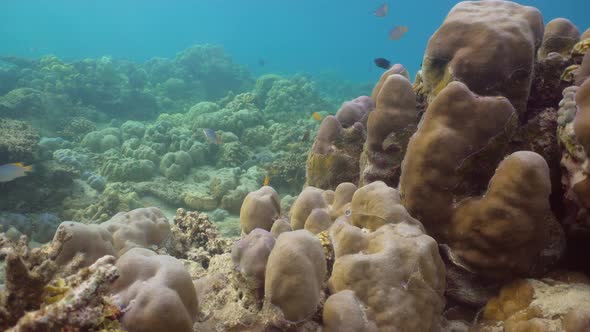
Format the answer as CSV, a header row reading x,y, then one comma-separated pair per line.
x,y
488,45
155,292
295,272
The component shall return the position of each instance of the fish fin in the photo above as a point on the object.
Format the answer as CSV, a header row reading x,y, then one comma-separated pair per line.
x,y
29,168
18,164
266,181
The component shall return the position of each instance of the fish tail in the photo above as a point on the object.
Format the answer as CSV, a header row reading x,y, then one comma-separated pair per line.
x,y
29,168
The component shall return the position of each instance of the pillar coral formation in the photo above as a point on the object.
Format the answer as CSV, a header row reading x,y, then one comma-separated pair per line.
x,y
316,209
334,157
560,36
389,128
260,209
441,187
488,45
295,272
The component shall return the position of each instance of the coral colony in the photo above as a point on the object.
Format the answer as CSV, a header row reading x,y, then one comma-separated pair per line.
x,y
458,202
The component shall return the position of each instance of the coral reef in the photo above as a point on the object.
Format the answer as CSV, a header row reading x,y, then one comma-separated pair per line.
x,y
18,142
457,203
195,238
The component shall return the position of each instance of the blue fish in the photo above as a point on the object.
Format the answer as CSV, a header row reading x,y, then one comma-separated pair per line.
x,y
211,136
10,172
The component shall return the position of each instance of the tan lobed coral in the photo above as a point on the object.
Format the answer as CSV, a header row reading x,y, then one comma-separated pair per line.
x,y
488,45
155,292
556,303
143,228
295,273
389,128
396,272
250,255
90,241
467,126
315,209
334,157
139,228
377,204
440,187
260,209
280,226
343,312
574,139
354,111
510,230
560,36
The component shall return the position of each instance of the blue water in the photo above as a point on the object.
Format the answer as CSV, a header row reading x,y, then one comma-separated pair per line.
x,y
313,36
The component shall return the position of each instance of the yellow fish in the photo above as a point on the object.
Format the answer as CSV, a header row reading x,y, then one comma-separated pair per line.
x,y
317,116
266,181
13,171
398,32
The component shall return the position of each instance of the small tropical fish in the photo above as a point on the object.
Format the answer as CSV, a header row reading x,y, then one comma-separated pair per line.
x,y
382,10
398,32
317,116
211,136
10,172
266,180
382,63
305,136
